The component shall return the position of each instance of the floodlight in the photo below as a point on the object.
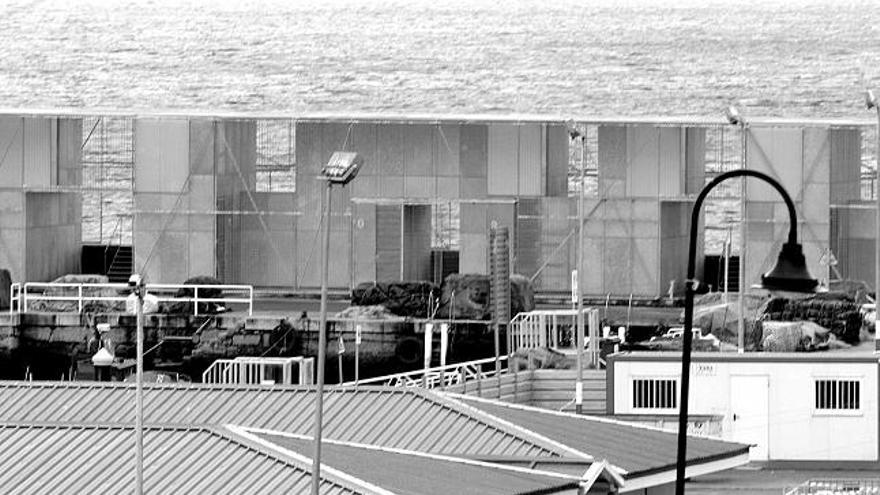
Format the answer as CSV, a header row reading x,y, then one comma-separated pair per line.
x,y
342,167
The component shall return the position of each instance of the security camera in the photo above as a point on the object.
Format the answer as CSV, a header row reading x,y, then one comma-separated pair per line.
x,y
134,280
870,99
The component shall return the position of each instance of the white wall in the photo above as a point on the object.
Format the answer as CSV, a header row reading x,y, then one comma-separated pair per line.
x,y
796,431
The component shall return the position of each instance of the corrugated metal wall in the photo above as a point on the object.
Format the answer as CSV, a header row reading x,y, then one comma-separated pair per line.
x,y
40,227
814,163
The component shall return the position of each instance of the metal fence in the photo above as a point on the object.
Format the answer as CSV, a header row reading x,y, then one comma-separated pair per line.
x,y
837,487
73,297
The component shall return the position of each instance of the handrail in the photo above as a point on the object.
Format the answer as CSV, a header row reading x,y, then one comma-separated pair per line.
x,y
451,374
15,297
25,294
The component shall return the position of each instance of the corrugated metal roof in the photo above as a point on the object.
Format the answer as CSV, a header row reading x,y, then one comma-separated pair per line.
x,y
416,474
635,449
401,418
50,459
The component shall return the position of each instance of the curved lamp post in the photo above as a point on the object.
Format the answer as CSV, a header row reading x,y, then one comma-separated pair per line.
x,y
789,274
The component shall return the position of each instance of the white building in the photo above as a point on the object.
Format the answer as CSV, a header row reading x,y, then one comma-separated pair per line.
x,y
791,407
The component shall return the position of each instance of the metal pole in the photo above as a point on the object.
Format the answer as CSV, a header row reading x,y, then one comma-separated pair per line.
x,y
357,353
579,320
322,343
877,241
339,360
741,303
139,389
687,338
727,266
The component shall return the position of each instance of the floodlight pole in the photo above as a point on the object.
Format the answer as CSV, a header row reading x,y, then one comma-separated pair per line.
x,y
322,343
871,101
690,288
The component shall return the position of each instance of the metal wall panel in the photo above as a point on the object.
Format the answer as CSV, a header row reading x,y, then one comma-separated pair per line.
x,y
643,143
778,152
853,237
557,225
392,149
419,158
447,150
388,242
69,152
37,152
473,241
695,160
532,164
612,143
671,169
557,160
474,151
845,164
364,244
52,238
417,242
161,154
503,164
12,144
201,146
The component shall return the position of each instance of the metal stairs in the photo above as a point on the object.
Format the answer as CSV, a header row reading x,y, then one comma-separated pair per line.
x,y
121,264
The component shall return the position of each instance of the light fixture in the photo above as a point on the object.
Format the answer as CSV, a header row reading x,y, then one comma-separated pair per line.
x,y
733,115
870,99
342,167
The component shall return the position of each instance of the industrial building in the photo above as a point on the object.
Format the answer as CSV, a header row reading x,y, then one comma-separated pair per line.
x,y
239,196
797,408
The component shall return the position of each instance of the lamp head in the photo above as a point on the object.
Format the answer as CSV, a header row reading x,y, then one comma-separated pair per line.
x,y
342,167
870,99
733,115
790,273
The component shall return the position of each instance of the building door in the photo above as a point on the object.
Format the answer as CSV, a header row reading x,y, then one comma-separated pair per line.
x,y
749,413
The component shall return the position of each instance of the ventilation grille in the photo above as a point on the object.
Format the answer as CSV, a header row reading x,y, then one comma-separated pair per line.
x,y
837,395
655,393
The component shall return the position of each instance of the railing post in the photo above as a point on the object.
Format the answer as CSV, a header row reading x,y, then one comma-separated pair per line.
x,y
80,297
251,302
196,300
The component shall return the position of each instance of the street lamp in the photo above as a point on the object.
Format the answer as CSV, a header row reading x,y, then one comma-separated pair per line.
x,y
871,102
789,274
342,167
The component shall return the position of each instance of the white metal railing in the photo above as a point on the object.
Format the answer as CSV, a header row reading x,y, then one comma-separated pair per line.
x,y
83,293
440,376
246,370
836,487
547,328
14,297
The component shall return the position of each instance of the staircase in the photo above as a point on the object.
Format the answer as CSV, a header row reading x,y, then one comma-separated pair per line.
x,y
120,264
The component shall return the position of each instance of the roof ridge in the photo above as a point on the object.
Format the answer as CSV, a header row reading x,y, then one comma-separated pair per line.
x,y
582,417
418,453
249,439
530,434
